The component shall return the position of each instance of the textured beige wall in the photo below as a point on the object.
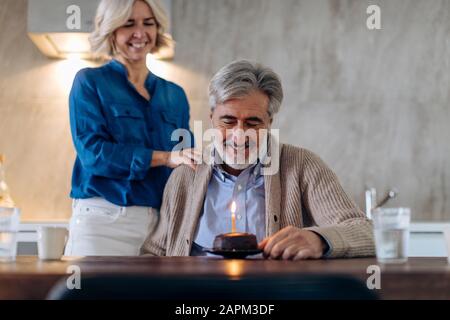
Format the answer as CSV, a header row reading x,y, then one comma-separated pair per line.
x,y
34,124
373,104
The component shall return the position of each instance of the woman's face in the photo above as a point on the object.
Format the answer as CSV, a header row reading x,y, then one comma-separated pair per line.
x,y
137,37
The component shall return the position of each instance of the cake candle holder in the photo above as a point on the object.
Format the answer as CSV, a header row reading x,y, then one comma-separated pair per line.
x,y
234,245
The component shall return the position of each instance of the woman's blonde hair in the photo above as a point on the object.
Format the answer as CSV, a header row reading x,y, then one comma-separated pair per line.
x,y
113,14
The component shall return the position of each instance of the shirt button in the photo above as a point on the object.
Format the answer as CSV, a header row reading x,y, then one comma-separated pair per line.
x,y
239,187
239,217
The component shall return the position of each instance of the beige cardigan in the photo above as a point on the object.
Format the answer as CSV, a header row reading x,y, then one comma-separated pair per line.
x,y
304,193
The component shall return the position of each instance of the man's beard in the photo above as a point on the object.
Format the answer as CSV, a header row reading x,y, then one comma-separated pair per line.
x,y
234,156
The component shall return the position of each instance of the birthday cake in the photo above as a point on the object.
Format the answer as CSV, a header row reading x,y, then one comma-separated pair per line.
x,y
235,241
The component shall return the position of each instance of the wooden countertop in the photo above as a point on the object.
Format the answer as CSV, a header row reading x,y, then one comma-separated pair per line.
x,y
419,278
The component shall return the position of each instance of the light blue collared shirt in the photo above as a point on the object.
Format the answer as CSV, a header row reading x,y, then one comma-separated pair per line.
x,y
247,190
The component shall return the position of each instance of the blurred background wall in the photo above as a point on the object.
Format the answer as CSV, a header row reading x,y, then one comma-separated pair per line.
x,y
374,104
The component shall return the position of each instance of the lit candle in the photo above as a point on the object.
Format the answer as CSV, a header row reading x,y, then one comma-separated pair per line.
x,y
233,217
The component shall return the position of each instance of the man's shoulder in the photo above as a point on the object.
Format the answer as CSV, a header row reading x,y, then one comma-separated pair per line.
x,y
288,151
182,175
295,159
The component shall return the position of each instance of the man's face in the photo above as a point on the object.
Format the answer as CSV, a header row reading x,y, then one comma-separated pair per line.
x,y
239,121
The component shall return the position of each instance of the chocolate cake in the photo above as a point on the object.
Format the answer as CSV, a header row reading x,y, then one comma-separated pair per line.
x,y
235,241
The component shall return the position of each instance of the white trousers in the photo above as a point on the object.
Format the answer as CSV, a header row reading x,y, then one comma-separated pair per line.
x,y
101,228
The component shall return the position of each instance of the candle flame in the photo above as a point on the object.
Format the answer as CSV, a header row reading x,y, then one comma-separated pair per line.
x,y
233,207
233,217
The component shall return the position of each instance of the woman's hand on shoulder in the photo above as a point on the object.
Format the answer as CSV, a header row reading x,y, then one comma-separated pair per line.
x,y
189,157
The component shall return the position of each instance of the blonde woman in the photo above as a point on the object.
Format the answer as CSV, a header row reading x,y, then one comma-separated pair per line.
x,y
122,117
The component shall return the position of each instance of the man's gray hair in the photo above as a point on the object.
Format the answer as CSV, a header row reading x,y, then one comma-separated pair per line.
x,y
240,78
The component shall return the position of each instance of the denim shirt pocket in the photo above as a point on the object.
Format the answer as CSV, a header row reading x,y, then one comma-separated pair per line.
x,y
170,123
127,124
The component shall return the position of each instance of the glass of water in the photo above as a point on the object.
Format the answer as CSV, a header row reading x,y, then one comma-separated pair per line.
x,y
391,228
9,226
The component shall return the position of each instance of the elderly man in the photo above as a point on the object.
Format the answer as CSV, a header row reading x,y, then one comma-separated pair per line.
x,y
299,211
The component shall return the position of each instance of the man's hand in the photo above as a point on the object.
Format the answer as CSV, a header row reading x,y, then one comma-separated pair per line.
x,y
293,243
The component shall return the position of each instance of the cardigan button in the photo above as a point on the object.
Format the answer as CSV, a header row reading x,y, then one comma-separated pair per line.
x,y
275,218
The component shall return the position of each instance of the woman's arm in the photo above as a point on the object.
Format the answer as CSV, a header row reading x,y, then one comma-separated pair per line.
x,y
187,155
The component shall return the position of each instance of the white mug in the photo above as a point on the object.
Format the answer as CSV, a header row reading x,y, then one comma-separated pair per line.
x,y
447,241
51,242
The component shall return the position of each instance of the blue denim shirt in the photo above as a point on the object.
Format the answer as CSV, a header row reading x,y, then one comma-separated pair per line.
x,y
115,130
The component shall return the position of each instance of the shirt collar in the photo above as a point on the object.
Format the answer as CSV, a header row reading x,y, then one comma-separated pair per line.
x,y
150,82
255,169
119,67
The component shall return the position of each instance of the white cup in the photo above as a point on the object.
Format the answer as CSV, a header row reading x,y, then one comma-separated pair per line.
x,y
447,241
51,242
